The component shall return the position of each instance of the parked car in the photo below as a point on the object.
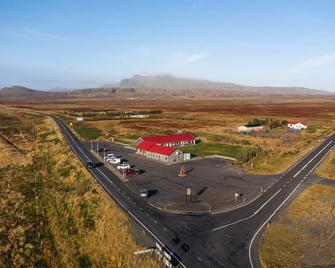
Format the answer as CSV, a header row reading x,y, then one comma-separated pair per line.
x,y
114,160
144,192
123,167
90,164
109,155
101,149
131,172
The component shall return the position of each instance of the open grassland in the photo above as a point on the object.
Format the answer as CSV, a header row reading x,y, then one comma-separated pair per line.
x,y
214,122
271,151
327,167
52,213
304,235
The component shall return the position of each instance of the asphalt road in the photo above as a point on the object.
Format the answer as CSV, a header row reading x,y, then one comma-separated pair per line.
x,y
228,239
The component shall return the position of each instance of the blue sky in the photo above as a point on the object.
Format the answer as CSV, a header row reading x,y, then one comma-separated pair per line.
x,y
71,44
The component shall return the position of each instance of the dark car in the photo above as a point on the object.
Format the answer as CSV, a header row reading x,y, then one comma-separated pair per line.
x,y
100,150
185,247
131,172
175,239
90,164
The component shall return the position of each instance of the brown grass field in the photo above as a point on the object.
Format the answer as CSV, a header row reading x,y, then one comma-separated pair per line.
x,y
214,121
303,236
52,213
327,167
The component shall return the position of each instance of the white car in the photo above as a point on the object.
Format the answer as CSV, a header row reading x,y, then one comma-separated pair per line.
x,y
123,167
109,156
114,160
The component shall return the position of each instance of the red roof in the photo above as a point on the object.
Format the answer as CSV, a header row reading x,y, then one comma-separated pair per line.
x,y
170,138
296,122
154,148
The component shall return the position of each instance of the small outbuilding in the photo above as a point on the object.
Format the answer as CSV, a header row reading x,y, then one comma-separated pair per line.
x,y
249,128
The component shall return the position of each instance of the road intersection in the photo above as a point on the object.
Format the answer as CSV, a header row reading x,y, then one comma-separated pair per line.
x,y
228,239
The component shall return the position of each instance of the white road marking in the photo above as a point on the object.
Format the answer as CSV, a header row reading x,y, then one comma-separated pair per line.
x,y
312,159
122,205
253,238
246,218
262,226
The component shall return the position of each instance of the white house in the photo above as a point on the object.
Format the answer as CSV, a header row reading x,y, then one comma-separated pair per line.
x,y
247,129
296,125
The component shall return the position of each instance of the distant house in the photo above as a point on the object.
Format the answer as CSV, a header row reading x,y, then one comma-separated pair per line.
x,y
296,125
138,116
161,153
173,140
249,128
79,118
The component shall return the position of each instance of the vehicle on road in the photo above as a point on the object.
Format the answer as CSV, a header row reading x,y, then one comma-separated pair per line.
x,y
185,247
175,239
101,149
144,192
114,160
123,167
90,164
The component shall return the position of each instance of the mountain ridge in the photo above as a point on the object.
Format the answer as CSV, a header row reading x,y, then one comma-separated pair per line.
x,y
139,86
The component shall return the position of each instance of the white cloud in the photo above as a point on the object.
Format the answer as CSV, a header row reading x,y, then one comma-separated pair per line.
x,y
197,57
181,59
314,63
34,34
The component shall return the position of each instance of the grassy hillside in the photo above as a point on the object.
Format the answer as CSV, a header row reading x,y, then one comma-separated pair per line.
x,y
303,236
53,214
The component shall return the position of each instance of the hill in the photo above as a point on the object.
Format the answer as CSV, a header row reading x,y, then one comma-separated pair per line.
x,y
20,93
168,82
166,86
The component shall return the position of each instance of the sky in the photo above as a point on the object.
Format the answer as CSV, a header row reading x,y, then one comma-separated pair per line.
x,y
67,44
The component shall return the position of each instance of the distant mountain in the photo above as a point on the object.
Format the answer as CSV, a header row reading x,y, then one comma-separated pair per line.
x,y
19,93
166,86
171,83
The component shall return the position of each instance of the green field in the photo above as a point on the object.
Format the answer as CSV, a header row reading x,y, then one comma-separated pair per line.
x,y
87,132
206,149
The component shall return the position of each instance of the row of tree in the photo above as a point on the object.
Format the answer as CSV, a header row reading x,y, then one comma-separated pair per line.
x,y
267,122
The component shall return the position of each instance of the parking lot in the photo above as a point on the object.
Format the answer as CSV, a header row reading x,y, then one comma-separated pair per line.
x,y
214,182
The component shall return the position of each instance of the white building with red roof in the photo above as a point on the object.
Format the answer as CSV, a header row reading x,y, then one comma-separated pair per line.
x,y
296,125
162,148
172,140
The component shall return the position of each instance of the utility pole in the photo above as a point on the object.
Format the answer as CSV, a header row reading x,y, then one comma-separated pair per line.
x,y
91,145
97,147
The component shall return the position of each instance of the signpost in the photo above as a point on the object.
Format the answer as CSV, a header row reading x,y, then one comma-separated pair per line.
x,y
188,193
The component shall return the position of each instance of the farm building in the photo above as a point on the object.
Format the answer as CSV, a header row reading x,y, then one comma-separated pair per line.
x,y
162,153
173,140
296,125
138,116
249,128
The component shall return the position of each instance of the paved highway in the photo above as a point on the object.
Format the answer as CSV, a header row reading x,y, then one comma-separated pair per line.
x,y
228,239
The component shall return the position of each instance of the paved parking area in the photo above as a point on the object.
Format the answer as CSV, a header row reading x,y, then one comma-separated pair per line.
x,y
213,181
